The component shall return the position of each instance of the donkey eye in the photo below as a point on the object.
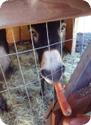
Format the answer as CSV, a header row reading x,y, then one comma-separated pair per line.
x,y
35,35
33,32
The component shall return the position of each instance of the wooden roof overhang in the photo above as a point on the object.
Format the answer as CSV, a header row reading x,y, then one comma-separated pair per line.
x,y
21,12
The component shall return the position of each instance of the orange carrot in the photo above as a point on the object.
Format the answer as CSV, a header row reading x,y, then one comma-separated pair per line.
x,y
64,105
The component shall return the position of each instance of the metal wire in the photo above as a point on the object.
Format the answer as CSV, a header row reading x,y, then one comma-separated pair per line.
x,y
21,71
30,50
48,41
27,84
34,53
18,53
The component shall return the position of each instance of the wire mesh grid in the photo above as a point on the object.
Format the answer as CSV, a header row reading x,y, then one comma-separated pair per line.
x,y
26,84
10,89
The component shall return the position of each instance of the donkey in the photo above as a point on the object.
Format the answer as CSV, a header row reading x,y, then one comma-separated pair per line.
x,y
47,38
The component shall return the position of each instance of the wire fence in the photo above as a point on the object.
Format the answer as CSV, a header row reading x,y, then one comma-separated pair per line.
x,y
17,54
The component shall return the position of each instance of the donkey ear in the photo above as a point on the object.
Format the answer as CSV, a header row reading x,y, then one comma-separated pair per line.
x,y
35,35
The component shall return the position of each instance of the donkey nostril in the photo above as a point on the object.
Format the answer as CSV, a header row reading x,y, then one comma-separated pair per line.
x,y
53,75
45,72
63,68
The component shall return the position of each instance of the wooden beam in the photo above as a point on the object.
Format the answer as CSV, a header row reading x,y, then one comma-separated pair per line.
x,y
22,12
69,35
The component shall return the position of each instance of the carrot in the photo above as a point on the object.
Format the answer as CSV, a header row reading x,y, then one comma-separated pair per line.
x,y
64,105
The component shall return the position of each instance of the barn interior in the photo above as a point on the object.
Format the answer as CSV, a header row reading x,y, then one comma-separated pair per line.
x,y
22,88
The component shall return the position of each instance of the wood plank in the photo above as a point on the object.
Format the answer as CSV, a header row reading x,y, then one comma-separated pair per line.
x,y
21,33
82,74
69,35
21,12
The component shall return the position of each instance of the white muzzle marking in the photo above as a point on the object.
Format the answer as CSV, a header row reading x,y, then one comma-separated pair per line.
x,y
51,60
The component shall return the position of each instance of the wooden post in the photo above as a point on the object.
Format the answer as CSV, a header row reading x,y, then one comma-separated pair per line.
x,y
69,34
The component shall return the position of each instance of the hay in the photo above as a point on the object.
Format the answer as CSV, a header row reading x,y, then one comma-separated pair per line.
x,y
24,110
70,62
32,110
